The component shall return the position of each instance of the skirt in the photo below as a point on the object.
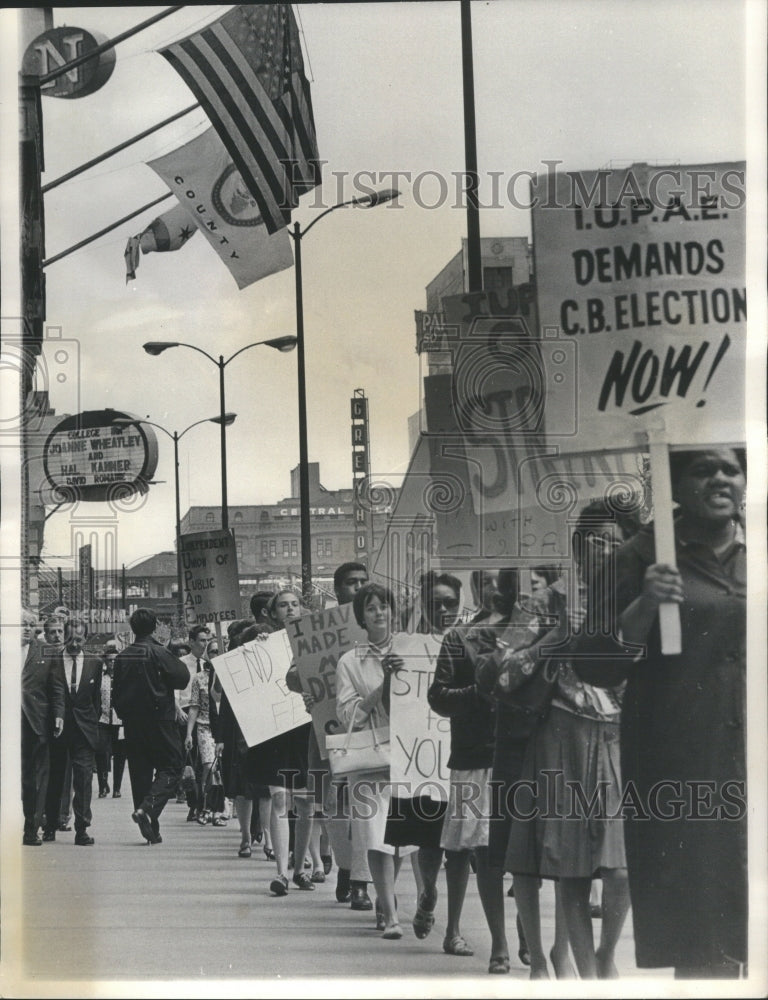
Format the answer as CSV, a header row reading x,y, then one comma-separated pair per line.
x,y
567,822
282,761
205,744
469,807
237,772
369,801
508,758
415,822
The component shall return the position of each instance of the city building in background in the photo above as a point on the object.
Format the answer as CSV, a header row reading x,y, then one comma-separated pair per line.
x,y
268,536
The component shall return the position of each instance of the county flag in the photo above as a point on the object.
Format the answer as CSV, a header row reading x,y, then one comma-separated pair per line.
x,y
247,72
214,198
169,231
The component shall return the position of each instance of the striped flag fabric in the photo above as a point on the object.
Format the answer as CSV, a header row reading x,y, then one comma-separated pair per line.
x,y
247,72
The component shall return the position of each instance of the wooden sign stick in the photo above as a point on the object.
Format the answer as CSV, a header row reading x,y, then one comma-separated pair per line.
x,y
664,536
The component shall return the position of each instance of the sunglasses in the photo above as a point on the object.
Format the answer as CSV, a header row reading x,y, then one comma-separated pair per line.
x,y
449,603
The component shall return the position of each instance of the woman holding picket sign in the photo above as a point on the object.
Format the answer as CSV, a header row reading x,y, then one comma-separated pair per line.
x,y
683,722
362,705
281,764
569,826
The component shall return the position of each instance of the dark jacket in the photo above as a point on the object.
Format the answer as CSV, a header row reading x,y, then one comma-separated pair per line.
x,y
34,687
454,693
145,677
683,726
82,709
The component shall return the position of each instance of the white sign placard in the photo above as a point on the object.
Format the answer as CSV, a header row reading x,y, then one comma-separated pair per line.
x,y
253,678
420,739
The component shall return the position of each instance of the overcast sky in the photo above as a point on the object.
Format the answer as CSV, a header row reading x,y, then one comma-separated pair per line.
x,y
584,82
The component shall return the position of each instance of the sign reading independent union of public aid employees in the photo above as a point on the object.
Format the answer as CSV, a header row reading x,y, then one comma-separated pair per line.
x,y
211,588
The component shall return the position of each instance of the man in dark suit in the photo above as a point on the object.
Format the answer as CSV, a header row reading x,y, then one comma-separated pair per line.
x,y
75,695
35,728
146,674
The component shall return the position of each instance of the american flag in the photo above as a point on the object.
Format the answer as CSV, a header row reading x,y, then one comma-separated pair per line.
x,y
247,72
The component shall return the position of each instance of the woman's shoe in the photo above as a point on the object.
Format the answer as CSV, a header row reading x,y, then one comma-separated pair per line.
x,y
392,933
302,881
457,946
499,966
269,854
381,921
318,876
327,863
218,821
279,886
424,918
245,851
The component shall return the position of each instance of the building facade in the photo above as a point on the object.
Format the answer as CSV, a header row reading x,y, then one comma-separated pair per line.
x,y
268,536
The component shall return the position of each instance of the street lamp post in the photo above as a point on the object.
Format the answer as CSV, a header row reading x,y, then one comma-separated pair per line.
x,y
369,201
283,344
224,419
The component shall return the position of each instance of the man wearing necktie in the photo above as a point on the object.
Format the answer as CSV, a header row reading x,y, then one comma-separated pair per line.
x,y
199,637
75,695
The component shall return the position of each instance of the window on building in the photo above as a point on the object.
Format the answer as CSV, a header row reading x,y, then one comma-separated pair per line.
x,y
238,515
209,517
264,548
286,547
294,546
329,546
239,549
320,547
273,548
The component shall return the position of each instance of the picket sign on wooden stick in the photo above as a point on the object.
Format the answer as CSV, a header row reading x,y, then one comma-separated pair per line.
x,y
664,536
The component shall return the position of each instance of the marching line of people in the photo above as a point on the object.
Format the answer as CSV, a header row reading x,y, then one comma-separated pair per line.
x,y
571,733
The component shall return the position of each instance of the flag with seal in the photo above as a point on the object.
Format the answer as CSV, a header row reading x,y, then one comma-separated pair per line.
x,y
212,194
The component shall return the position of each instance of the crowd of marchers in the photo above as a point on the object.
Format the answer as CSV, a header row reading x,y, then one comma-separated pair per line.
x,y
557,691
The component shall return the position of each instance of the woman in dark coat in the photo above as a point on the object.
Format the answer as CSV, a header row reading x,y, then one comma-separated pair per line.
x,y
682,725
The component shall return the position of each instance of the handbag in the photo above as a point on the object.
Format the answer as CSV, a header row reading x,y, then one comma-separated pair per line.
x,y
367,749
188,775
214,775
213,793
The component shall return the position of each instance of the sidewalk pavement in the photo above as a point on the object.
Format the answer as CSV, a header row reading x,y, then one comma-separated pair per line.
x,y
190,909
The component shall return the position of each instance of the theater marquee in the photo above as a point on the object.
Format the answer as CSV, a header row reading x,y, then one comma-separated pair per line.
x,y
97,455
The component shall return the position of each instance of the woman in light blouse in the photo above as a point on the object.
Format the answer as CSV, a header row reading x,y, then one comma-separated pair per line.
x,y
362,693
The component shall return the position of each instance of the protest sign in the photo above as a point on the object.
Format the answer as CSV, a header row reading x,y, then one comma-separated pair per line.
x,y
253,679
211,585
317,641
643,270
420,739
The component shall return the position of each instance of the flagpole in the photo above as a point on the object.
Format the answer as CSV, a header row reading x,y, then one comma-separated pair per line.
x,y
474,269
107,229
115,149
104,47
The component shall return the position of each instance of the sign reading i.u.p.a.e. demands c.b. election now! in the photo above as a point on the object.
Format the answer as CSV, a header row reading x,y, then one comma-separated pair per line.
x,y
643,269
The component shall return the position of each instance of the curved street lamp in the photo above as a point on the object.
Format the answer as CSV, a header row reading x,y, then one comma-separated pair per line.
x,y
225,419
367,201
282,344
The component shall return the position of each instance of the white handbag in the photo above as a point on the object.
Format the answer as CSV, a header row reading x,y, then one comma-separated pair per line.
x,y
367,749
